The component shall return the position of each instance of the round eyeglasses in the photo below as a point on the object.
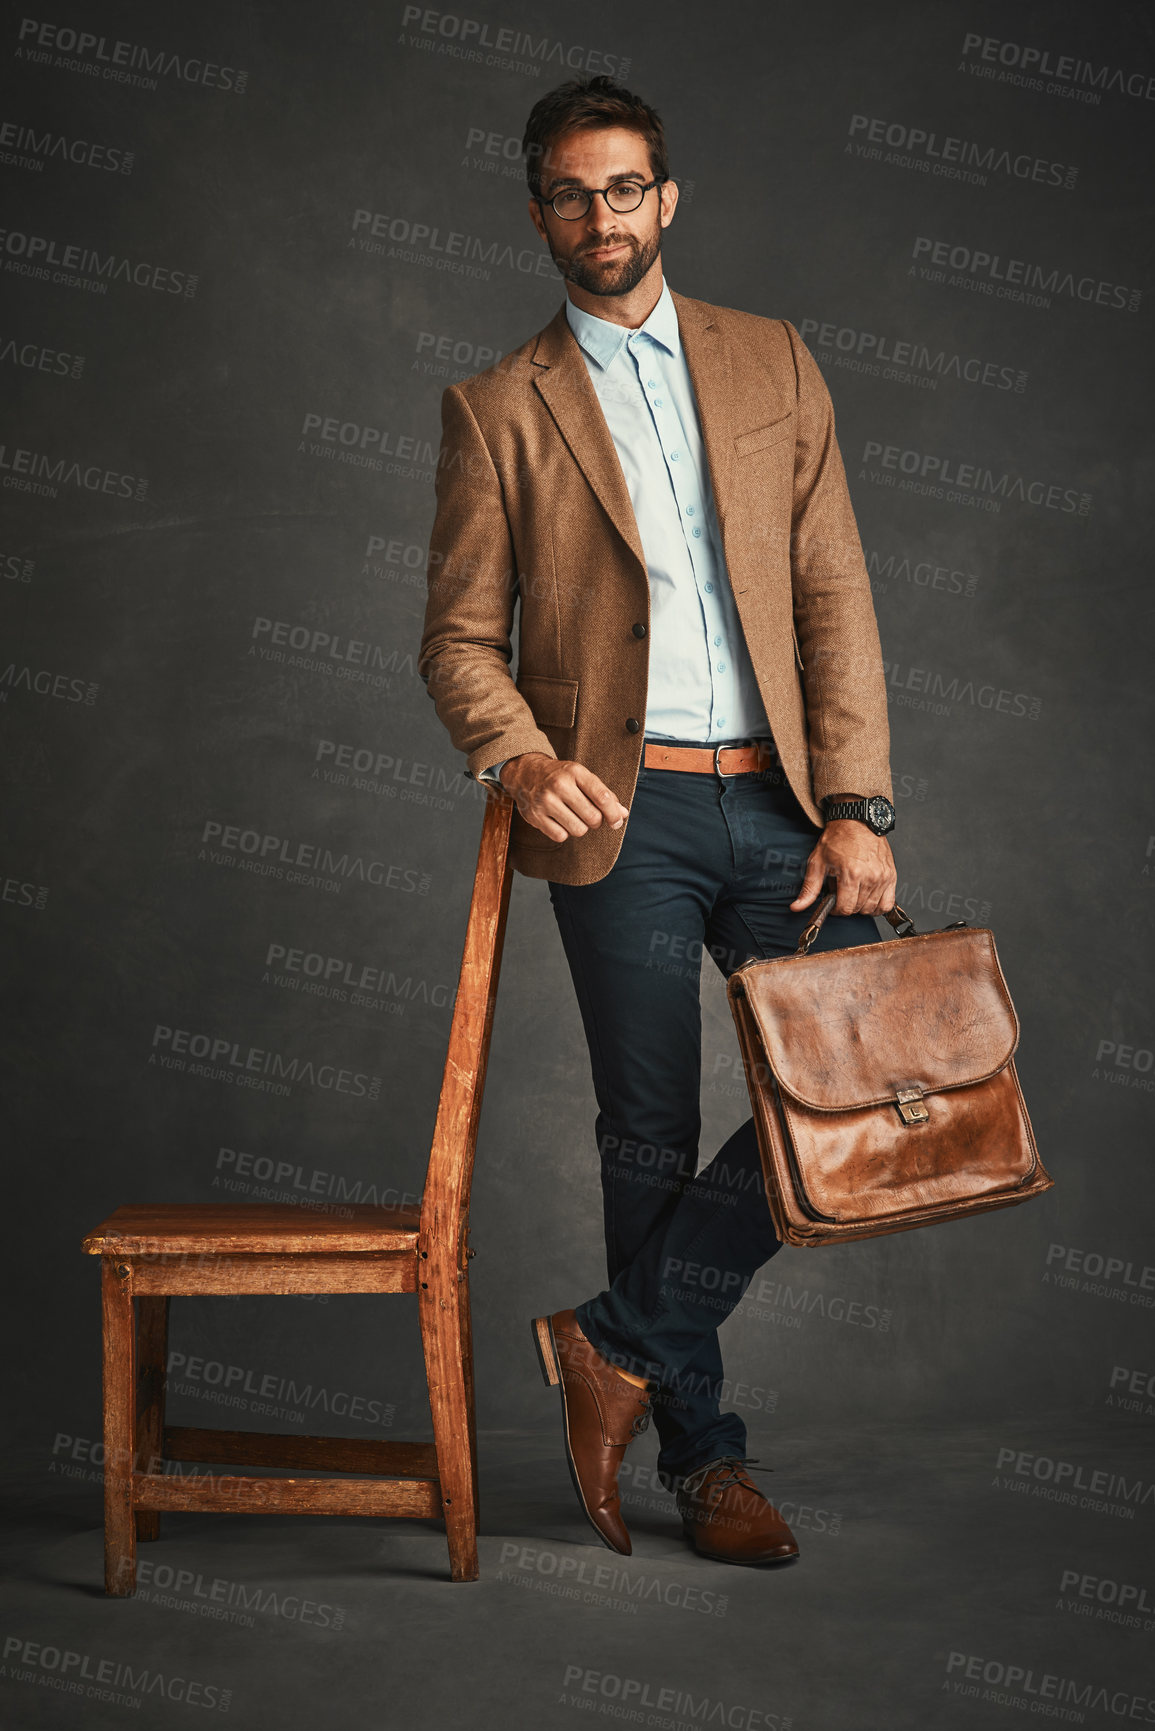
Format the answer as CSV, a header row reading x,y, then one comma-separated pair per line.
x,y
573,202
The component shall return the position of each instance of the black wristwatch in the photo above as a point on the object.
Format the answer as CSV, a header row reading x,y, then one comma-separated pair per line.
x,y
876,813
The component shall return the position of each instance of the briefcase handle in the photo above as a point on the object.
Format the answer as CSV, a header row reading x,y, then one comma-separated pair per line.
x,y
902,923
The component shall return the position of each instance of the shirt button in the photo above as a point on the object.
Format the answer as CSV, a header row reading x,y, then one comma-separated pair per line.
x,y
674,455
709,588
639,630
696,533
721,721
721,667
658,403
653,384
689,510
717,642
632,724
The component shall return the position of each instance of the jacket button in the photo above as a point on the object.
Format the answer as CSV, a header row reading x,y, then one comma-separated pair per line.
x,y
639,630
632,724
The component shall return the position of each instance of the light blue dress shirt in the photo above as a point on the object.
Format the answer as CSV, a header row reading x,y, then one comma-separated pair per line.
x,y
701,679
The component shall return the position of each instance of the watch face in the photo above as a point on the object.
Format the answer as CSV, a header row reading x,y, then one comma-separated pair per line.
x,y
880,814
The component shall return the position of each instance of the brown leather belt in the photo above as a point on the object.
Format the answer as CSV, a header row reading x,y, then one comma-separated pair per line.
x,y
711,759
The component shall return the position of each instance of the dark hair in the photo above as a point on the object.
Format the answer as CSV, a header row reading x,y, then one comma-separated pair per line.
x,y
598,101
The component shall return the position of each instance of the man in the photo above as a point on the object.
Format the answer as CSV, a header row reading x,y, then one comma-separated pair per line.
x,y
696,739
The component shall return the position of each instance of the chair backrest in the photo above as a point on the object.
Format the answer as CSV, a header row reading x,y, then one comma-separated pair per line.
x,y
445,1204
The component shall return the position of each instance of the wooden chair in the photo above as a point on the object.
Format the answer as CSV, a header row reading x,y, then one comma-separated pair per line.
x,y
149,1254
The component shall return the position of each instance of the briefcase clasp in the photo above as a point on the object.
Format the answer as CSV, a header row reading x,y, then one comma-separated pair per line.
x,y
910,1106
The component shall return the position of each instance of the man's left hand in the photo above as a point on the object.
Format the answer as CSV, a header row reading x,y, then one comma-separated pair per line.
x,y
861,864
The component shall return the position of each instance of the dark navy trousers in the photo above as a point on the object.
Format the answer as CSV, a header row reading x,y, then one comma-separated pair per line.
x,y
708,865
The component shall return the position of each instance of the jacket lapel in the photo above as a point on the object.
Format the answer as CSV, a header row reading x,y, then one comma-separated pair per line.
x,y
708,362
562,379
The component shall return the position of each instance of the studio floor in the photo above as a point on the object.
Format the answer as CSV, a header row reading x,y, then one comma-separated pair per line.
x,y
955,1577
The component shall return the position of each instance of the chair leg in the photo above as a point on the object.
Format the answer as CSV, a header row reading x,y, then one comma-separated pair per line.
x,y
152,1356
119,1336
470,1403
443,1338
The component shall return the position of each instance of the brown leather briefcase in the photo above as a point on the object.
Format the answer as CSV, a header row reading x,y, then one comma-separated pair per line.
x,y
883,1083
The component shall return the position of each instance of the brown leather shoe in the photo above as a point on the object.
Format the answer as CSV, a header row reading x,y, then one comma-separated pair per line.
x,y
601,1412
728,1518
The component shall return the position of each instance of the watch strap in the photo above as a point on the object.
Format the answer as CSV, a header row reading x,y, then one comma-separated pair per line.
x,y
875,811
843,808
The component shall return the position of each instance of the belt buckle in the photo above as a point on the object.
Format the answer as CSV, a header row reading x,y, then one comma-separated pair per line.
x,y
729,745
718,770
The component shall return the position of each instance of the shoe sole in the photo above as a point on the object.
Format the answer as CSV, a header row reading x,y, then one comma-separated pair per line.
x,y
547,1358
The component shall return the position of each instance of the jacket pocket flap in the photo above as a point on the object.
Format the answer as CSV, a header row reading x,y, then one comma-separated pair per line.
x,y
553,701
783,427
848,1028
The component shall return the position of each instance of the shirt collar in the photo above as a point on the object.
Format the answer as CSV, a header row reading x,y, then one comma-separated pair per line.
x,y
603,340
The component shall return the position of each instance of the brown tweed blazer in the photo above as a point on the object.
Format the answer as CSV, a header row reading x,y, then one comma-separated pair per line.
x,y
532,504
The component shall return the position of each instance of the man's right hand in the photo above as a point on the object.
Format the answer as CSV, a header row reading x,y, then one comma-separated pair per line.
x,y
560,798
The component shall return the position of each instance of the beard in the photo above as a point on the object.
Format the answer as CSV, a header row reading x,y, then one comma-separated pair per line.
x,y
612,276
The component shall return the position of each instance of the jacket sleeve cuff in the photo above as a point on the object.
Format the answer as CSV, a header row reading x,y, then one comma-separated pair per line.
x,y
499,751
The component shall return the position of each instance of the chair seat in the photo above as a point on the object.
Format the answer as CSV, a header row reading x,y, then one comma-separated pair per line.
x,y
237,1228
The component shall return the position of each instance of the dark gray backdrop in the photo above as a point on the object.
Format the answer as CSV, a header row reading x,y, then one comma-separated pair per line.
x,y
242,255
